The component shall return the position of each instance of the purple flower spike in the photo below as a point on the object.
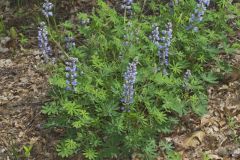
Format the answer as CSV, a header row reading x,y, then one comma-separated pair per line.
x,y
70,43
163,43
47,9
71,75
43,43
127,6
128,87
198,14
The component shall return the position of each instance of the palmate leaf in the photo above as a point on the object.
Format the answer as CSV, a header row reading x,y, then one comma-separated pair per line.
x,y
50,109
172,155
150,149
97,62
84,119
67,148
58,81
178,67
199,104
159,116
71,107
174,104
209,77
90,154
160,79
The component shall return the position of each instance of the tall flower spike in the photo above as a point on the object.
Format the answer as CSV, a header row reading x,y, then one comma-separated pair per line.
x,y
197,16
70,43
155,35
127,6
163,43
129,81
43,41
71,74
47,9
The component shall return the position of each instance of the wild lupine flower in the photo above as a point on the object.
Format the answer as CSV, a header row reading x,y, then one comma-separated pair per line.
x,y
155,35
71,74
127,6
47,9
43,41
163,43
197,16
128,87
70,43
166,39
186,78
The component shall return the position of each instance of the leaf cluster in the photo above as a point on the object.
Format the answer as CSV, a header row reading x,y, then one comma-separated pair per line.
x,y
91,117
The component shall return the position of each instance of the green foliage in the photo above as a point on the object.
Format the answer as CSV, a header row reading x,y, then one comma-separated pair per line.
x,y
206,157
2,26
167,148
91,118
67,148
172,155
13,33
150,149
27,150
23,39
90,154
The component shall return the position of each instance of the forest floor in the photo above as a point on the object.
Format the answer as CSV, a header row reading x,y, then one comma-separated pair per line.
x,y
24,89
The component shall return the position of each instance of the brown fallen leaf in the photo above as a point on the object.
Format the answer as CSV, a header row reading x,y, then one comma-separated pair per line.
x,y
206,120
194,140
215,157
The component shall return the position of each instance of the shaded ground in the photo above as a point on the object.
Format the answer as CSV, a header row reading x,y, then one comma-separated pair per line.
x,y
23,89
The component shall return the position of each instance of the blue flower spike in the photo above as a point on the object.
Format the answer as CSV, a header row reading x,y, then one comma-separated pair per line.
x,y
47,9
71,74
43,43
128,86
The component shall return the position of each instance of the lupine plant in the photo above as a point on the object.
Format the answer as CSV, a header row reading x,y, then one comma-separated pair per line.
x,y
197,16
128,86
47,9
43,42
122,104
163,42
127,6
70,42
71,74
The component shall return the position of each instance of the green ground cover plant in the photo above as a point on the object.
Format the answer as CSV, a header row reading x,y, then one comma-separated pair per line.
x,y
129,75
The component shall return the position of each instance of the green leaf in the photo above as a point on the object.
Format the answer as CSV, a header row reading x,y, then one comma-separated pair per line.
x,y
150,149
67,148
174,104
209,77
58,81
159,116
90,154
71,107
50,109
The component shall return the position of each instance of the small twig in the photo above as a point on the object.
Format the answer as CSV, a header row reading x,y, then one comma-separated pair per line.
x,y
32,120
